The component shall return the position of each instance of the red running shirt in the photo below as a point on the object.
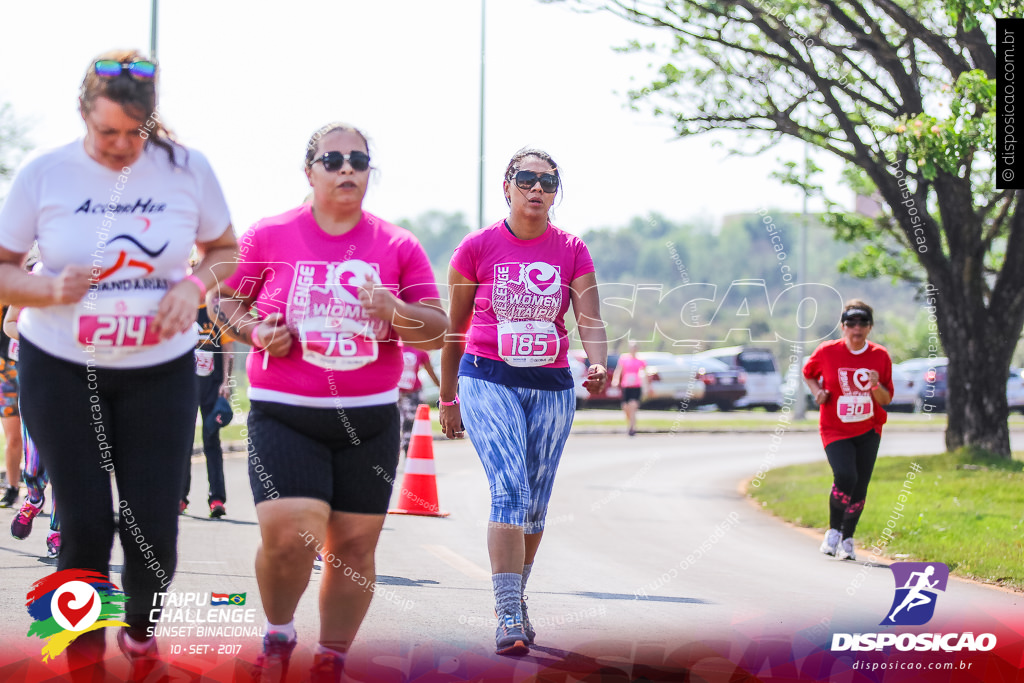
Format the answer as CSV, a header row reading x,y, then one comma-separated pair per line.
x,y
850,410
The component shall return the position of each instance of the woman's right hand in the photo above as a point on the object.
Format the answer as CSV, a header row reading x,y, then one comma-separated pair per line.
x,y
450,418
274,336
71,284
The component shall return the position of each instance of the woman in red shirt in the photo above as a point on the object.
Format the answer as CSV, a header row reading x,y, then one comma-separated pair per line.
x,y
851,380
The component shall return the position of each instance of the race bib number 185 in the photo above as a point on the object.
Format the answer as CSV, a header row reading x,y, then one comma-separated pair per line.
x,y
527,343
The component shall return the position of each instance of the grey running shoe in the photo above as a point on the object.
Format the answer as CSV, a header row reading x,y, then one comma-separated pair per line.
x,y
272,664
831,542
845,551
527,626
509,638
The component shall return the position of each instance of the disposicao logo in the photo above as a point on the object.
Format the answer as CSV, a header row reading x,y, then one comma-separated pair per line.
x,y
69,603
916,586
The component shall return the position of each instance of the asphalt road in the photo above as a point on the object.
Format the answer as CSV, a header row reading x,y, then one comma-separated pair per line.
x,y
650,547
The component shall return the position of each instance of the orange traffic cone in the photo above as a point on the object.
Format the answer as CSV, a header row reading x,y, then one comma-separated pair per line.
x,y
419,485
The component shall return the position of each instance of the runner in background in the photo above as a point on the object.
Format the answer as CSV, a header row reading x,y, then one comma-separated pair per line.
x,y
34,471
851,381
106,353
10,418
510,286
409,385
630,376
214,362
334,289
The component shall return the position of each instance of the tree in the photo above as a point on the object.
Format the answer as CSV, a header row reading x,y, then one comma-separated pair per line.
x,y
904,93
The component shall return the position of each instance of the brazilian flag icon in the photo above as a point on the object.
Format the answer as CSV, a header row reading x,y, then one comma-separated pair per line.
x,y
237,598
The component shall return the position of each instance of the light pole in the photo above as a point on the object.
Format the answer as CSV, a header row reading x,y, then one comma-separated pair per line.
x,y
801,404
480,170
152,29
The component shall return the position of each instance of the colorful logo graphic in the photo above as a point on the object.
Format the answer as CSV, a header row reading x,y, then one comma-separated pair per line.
x,y
69,603
916,586
236,599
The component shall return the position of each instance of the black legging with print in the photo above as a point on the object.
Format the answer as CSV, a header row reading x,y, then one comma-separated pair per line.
x,y
135,423
852,461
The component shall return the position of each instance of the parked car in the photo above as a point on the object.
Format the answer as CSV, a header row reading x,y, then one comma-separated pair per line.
x,y
1015,390
724,386
764,383
611,396
579,373
931,397
904,392
673,381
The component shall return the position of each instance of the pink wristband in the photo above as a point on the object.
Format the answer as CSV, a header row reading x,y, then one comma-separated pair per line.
x,y
199,284
450,403
255,337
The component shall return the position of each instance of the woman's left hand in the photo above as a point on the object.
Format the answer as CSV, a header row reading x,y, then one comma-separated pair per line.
x,y
873,378
178,309
597,378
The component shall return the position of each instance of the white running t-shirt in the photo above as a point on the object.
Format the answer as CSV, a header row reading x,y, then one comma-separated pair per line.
x,y
134,227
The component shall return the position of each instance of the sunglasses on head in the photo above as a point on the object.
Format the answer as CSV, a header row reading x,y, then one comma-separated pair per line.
x,y
111,68
525,180
333,161
857,322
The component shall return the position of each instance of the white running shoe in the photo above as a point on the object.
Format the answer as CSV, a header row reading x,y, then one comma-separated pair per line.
x,y
845,551
831,542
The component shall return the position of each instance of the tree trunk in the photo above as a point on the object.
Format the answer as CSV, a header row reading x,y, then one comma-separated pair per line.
x,y
979,358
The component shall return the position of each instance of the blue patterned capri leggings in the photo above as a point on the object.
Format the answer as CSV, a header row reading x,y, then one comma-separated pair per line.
x,y
519,435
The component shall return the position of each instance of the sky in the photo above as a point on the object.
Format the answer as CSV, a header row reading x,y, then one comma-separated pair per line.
x,y
247,84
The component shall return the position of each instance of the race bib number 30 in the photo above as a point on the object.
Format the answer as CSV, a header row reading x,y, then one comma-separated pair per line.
x,y
527,343
855,408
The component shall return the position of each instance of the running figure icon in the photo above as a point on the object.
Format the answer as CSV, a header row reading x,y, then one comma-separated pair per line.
x,y
918,584
916,597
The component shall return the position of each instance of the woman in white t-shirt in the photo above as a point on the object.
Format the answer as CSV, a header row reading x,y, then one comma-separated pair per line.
x,y
106,335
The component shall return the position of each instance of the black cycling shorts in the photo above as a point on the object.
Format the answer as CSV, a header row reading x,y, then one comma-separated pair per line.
x,y
346,457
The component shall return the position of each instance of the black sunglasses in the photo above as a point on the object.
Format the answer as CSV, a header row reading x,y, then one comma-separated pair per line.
x,y
333,161
857,322
525,180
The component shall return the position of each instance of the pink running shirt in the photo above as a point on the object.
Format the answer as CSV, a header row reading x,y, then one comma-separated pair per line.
x,y
522,294
413,360
340,357
631,367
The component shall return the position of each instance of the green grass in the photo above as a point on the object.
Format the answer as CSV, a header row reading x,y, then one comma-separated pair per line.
x,y
965,509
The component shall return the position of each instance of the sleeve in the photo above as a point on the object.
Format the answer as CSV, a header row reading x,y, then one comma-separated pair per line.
x,y
214,216
247,280
416,279
19,216
814,369
584,263
464,259
885,373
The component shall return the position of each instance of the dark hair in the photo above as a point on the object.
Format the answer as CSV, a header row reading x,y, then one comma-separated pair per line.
x,y
860,307
314,140
137,98
517,159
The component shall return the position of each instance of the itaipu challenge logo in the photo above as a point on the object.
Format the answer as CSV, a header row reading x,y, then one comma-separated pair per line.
x,y
69,603
917,584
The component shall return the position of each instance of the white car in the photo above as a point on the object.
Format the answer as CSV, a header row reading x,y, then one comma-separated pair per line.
x,y
905,390
1015,390
673,380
